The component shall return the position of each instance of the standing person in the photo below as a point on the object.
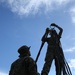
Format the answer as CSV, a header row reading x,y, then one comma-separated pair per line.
x,y
24,65
52,50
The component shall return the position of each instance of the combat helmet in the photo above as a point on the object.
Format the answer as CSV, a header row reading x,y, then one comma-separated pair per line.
x,y
24,50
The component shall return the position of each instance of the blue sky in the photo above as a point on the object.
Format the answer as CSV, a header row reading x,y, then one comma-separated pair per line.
x,y
23,22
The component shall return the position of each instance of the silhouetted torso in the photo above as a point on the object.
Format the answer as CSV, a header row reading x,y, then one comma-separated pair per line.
x,y
23,66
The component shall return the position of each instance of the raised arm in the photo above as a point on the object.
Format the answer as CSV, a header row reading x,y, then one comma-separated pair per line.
x,y
45,35
61,30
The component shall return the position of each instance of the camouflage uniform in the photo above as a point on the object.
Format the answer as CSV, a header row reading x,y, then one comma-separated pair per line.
x,y
23,66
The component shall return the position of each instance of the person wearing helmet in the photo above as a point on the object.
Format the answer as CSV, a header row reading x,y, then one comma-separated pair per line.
x,y
52,49
24,51
24,65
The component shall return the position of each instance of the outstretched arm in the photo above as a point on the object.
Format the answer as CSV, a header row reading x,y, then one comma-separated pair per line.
x,y
61,30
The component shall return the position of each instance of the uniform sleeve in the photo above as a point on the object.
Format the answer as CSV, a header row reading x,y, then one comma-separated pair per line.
x,y
60,33
44,38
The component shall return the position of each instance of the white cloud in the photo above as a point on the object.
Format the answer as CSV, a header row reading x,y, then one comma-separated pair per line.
x,y
72,63
2,73
26,7
72,13
72,66
70,49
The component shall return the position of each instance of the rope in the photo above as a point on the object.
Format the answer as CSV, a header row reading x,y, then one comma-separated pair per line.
x,y
65,68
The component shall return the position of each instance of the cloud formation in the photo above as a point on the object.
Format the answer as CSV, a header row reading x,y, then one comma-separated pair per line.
x,y
72,13
26,7
72,63
2,73
70,49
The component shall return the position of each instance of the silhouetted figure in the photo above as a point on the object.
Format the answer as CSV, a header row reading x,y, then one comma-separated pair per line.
x,y
54,51
24,65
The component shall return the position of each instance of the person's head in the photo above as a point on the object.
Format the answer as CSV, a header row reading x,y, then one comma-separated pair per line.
x,y
24,51
53,32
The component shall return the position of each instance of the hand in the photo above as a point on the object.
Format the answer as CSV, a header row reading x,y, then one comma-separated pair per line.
x,y
47,30
53,24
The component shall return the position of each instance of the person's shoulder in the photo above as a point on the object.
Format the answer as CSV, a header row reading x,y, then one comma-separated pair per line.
x,y
29,60
14,63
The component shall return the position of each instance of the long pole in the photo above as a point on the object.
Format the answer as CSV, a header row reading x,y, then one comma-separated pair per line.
x,y
39,52
44,36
